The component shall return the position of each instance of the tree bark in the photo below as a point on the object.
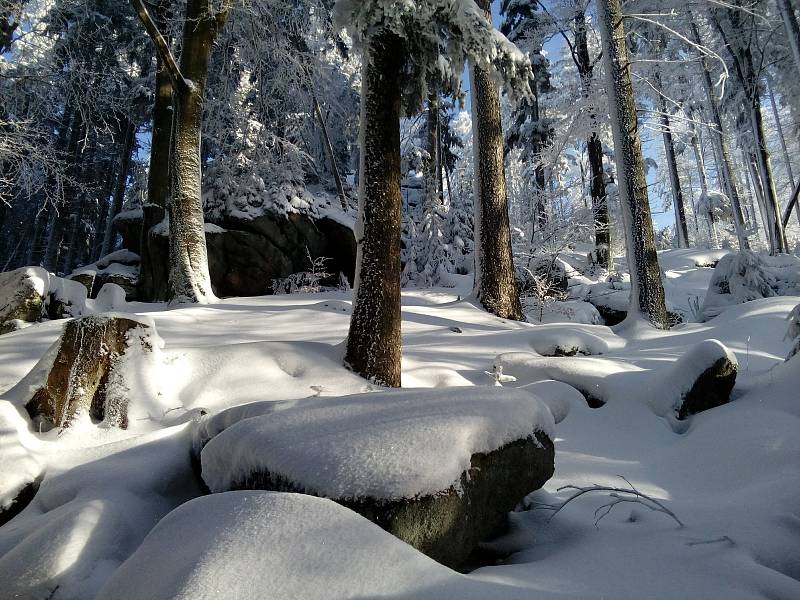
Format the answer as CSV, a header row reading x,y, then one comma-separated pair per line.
x,y
432,172
154,268
647,291
594,148
701,171
781,136
495,283
373,342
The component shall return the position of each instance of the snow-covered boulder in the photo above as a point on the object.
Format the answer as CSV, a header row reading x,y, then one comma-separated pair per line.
x,y
120,267
74,376
440,469
20,470
22,295
746,275
253,544
701,379
29,294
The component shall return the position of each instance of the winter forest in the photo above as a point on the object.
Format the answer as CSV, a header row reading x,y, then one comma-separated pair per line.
x,y
411,299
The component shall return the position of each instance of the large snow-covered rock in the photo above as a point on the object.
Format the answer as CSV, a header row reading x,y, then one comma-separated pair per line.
x,y
440,469
29,294
252,544
74,376
120,267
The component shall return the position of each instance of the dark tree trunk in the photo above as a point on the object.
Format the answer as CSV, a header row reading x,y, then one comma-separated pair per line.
x,y
672,165
153,268
373,343
647,291
59,217
432,171
721,152
495,283
326,139
119,187
594,148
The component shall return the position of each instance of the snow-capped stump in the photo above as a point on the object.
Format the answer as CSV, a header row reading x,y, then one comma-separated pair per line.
x,y
701,379
73,377
20,471
439,469
21,297
255,544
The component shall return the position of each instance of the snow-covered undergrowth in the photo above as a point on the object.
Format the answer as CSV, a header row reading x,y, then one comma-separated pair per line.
x,y
731,477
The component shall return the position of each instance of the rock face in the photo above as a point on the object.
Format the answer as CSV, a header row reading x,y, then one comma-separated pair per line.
x,y
20,297
711,389
82,361
245,255
439,469
120,268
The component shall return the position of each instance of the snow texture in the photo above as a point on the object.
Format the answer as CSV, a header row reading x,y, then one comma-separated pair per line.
x,y
385,445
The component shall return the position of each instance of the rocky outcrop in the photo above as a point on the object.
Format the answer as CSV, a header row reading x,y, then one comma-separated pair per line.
x,y
78,367
246,254
120,268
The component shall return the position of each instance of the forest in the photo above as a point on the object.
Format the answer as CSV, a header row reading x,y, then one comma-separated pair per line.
x,y
399,299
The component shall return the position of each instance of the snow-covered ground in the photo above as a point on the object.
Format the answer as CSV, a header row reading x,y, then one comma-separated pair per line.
x,y
732,477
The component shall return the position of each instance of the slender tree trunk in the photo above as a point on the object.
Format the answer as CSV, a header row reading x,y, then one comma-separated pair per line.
x,y
153,268
672,166
767,180
432,173
723,157
701,171
792,29
781,136
119,187
495,283
757,192
326,138
647,291
373,342
594,148
59,218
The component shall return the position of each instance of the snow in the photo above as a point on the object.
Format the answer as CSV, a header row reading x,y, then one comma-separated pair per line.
x,y
731,475
18,465
386,445
282,546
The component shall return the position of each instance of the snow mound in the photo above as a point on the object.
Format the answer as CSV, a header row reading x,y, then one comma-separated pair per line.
x,y
252,544
18,465
385,445
565,340
87,519
747,276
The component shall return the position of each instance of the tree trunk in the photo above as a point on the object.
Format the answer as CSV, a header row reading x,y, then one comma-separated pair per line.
x,y
432,173
495,283
59,217
701,171
792,29
647,291
189,279
781,136
153,268
373,342
119,187
723,158
326,139
672,166
594,148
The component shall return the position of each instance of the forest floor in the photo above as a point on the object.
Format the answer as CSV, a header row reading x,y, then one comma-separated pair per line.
x,y
731,477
